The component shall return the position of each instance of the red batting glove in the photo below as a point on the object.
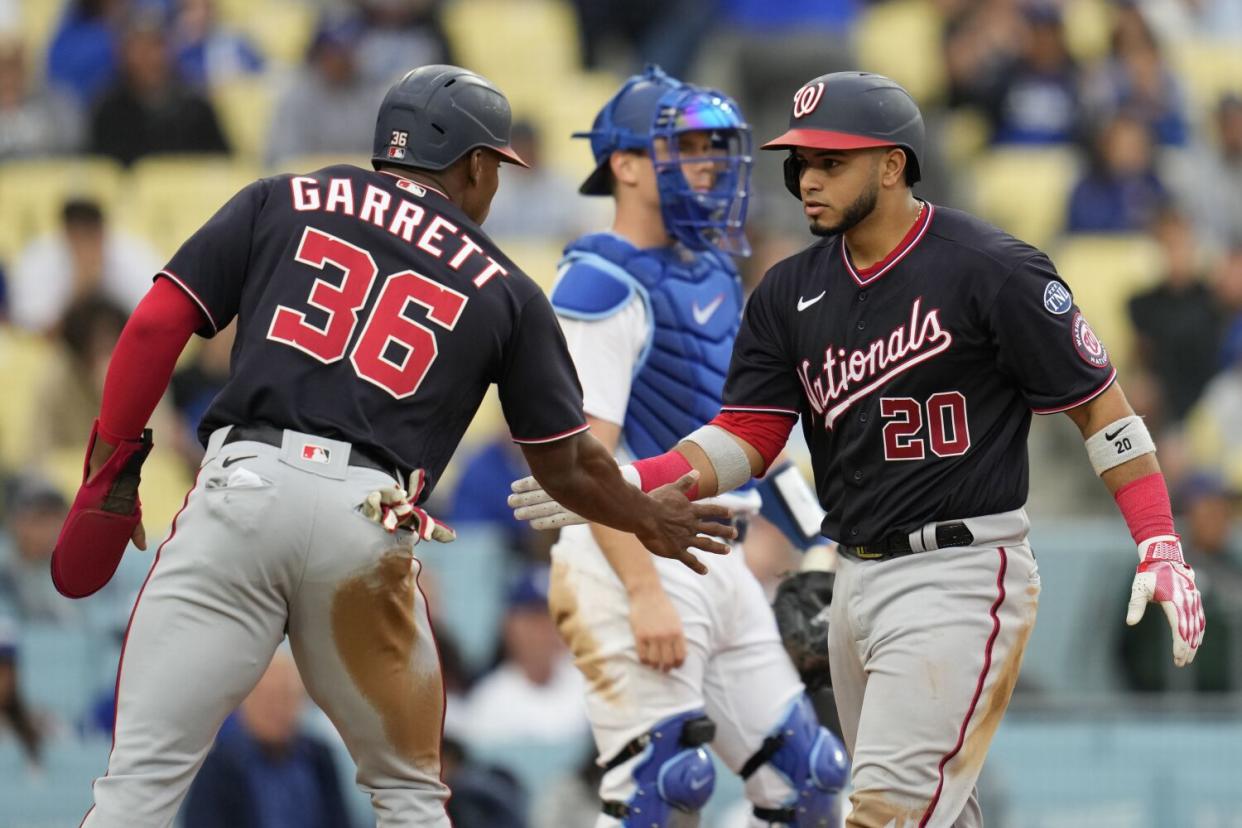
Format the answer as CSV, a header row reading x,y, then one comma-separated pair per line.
x,y
1164,577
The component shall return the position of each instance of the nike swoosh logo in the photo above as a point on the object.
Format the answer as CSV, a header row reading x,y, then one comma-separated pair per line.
x,y
231,460
697,784
701,315
803,304
1113,436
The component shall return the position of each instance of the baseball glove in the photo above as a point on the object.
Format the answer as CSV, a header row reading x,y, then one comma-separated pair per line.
x,y
801,609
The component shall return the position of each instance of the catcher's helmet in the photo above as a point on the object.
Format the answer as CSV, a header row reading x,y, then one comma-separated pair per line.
x,y
436,114
851,110
653,106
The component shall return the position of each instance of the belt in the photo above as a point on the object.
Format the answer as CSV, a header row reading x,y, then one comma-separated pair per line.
x,y
273,436
953,533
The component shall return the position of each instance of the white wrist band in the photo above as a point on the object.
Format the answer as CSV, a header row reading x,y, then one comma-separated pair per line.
x,y
1119,442
726,456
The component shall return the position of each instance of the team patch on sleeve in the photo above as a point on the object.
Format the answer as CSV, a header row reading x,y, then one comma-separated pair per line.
x,y
1057,298
1088,345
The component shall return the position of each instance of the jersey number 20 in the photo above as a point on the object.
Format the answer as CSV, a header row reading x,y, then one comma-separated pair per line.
x,y
386,331
947,429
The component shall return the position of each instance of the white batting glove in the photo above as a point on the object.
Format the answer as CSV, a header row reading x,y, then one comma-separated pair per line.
x,y
1163,577
530,502
393,508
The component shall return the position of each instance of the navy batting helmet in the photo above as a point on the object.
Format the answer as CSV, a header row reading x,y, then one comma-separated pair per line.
x,y
851,110
436,114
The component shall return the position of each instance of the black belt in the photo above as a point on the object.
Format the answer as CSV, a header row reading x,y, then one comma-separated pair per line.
x,y
273,436
954,533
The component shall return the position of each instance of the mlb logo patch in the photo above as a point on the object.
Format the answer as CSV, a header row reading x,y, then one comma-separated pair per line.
x,y
315,454
396,152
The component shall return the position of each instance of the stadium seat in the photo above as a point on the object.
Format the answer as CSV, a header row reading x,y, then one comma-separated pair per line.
x,y
244,106
282,29
559,116
38,20
23,359
171,196
58,669
538,259
33,192
1024,191
1104,272
1088,27
1208,68
58,794
903,40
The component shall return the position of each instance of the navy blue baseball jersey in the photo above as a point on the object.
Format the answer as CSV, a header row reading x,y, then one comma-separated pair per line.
x,y
371,309
915,379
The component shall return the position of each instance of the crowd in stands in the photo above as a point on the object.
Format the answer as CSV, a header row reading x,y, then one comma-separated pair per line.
x,y
1103,92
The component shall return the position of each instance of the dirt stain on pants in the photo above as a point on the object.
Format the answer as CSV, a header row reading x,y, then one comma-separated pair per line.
x,y
377,637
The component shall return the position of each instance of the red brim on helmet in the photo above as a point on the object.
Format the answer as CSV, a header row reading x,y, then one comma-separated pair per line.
x,y
824,139
507,154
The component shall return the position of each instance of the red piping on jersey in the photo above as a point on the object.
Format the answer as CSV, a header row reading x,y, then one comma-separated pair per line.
x,y
866,275
190,292
1097,392
554,437
116,691
983,675
760,409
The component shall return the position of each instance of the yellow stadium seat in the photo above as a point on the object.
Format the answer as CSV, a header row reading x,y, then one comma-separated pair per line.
x,y
1103,272
559,116
172,196
902,39
282,29
38,20
317,161
964,136
1088,28
23,359
32,193
1024,191
245,109
518,44
538,259
1209,69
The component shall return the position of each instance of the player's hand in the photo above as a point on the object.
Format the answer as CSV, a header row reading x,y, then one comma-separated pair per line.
x,y
657,629
393,508
1163,577
530,502
140,536
676,525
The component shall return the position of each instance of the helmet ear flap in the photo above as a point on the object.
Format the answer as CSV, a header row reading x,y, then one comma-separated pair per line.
x,y
793,172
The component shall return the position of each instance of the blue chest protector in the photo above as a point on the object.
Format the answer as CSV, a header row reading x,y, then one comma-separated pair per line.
x,y
694,307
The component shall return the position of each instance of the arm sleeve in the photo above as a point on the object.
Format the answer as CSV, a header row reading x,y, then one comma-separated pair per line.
x,y
762,374
605,352
1044,342
211,266
539,389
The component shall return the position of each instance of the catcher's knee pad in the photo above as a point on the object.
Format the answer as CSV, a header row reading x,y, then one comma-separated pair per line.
x,y
812,760
674,771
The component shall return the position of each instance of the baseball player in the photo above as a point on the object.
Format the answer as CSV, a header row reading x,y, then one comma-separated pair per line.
x,y
372,314
649,311
914,342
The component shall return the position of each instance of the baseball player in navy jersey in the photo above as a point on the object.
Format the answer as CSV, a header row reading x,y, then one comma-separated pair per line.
x,y
372,314
649,309
914,342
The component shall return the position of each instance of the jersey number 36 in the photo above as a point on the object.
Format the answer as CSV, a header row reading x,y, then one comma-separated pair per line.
x,y
386,332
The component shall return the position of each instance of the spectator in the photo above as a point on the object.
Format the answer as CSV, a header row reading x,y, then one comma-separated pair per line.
x,y
1214,186
82,56
538,202
35,511
1229,294
981,40
398,35
1206,505
665,32
35,122
1214,440
1177,324
1035,100
1121,192
85,258
68,398
264,770
149,110
15,715
330,107
484,796
207,53
1136,79
534,694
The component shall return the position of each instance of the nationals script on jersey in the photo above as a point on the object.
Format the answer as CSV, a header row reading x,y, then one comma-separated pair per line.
x,y
371,309
925,367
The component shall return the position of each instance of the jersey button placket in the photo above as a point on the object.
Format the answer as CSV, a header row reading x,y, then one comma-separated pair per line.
x,y
862,324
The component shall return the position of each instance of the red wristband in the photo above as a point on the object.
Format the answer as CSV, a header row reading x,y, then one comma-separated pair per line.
x,y
654,472
1144,503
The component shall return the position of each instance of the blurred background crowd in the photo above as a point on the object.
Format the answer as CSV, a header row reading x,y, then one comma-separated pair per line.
x,y
1108,132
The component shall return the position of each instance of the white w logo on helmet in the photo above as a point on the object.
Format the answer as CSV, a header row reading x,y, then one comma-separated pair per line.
x,y
807,98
